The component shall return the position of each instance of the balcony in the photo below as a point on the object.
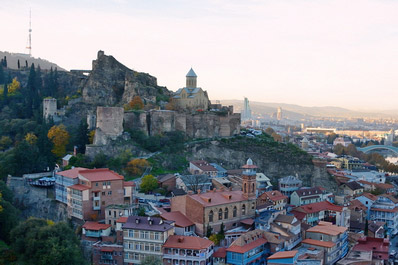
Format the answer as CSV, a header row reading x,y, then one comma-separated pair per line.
x,y
198,257
106,257
90,233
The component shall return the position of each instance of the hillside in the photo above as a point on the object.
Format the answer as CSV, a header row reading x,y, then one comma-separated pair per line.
x,y
12,61
293,111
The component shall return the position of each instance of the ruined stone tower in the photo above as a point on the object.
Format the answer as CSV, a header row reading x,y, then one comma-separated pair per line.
x,y
49,108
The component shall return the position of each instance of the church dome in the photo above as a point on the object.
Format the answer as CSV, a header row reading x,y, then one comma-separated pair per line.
x,y
191,73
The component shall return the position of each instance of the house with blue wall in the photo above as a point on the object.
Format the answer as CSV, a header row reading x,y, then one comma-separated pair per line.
x,y
250,248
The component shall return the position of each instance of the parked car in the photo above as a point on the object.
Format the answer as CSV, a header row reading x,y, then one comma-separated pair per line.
x,y
141,200
164,200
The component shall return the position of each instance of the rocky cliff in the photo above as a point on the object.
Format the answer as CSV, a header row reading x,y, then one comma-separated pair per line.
x,y
37,202
274,159
110,83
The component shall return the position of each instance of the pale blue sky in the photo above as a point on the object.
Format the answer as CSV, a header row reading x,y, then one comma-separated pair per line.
x,y
307,52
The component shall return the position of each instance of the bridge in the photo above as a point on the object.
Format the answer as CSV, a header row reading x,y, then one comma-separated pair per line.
x,y
370,148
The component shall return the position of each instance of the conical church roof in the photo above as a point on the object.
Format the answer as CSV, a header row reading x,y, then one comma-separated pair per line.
x,y
191,73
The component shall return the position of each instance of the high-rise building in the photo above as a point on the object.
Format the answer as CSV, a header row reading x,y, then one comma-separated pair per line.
x,y
279,114
246,112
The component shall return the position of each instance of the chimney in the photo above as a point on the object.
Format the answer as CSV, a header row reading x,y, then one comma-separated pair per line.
x,y
180,239
137,221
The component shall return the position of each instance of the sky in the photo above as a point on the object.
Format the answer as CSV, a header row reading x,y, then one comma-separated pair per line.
x,y
305,52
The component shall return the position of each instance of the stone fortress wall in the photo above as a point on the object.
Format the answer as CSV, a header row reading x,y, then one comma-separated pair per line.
x,y
111,121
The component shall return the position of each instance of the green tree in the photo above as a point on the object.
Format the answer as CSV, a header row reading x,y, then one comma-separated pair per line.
x,y
82,136
331,137
5,90
148,183
99,161
269,131
1,75
9,216
209,230
19,65
38,241
5,142
151,260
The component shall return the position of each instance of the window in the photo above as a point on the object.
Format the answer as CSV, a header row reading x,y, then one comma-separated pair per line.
x,y
245,188
156,236
96,184
103,193
211,216
103,202
252,187
104,183
131,233
226,213
244,209
110,192
220,214
114,214
110,213
234,212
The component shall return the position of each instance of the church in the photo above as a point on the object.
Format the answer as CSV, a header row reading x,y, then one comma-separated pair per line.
x,y
191,97
217,207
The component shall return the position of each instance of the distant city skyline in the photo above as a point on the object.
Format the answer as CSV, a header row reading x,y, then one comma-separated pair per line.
x,y
309,53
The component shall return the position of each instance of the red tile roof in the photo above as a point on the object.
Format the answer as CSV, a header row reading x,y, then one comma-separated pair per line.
x,y
394,210
327,229
212,198
318,206
179,219
187,242
129,184
220,253
283,254
247,247
370,196
319,243
71,173
79,187
379,246
384,186
122,219
89,225
356,204
203,165
247,221
274,195
100,174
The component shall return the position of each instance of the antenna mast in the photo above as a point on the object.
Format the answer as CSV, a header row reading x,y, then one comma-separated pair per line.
x,y
30,33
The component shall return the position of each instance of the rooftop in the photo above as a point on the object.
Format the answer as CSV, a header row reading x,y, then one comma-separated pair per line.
x,y
327,229
319,243
179,219
70,173
89,225
353,185
187,242
191,73
274,195
203,165
283,254
100,174
218,197
79,187
317,207
147,223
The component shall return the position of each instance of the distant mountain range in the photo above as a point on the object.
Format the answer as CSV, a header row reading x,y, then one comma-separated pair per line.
x,y
12,61
293,111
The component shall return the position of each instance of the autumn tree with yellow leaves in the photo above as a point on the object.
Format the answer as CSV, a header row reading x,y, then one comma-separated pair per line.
x,y
136,103
59,136
136,166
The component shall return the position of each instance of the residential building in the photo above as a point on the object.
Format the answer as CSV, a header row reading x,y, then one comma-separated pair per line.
x,y
114,211
183,226
376,229
331,238
289,228
187,250
220,256
263,182
277,199
194,183
191,97
94,231
385,210
283,257
96,189
249,248
351,188
322,211
202,167
367,199
107,253
217,207
378,246
306,195
341,140
357,258
144,236
167,181
64,179
289,184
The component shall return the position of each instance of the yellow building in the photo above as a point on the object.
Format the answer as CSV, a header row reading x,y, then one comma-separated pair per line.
x,y
191,97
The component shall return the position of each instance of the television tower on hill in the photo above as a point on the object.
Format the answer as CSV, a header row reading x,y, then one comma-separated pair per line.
x,y
29,47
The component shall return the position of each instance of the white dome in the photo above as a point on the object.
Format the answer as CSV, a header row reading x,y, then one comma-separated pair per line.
x,y
249,162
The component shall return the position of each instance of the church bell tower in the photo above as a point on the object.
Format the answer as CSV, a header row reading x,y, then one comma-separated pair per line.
x,y
191,79
249,184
